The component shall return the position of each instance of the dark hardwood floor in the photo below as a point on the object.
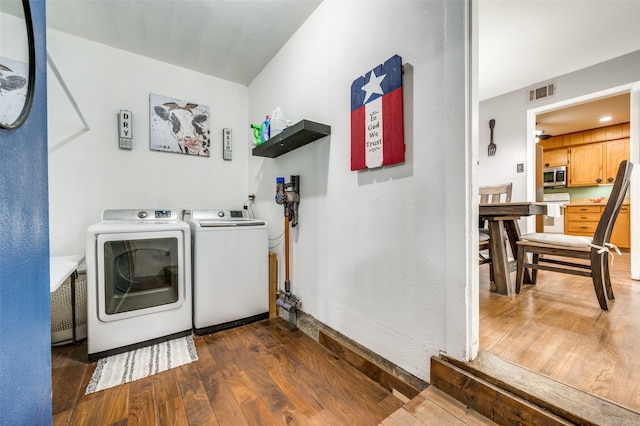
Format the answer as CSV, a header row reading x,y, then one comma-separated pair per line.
x,y
557,328
268,373
262,374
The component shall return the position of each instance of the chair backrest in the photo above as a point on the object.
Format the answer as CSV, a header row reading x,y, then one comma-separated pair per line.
x,y
495,193
611,210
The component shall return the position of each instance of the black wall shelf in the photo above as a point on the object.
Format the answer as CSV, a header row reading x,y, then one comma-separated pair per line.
x,y
291,138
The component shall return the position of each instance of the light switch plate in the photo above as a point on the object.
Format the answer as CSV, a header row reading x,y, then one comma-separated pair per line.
x,y
520,168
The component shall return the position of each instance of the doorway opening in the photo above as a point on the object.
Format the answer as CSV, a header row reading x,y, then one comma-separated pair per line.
x,y
569,116
556,328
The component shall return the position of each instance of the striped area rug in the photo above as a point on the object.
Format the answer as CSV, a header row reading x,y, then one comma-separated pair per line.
x,y
140,363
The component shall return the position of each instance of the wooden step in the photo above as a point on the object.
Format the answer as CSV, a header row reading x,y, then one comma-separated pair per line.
x,y
513,395
434,407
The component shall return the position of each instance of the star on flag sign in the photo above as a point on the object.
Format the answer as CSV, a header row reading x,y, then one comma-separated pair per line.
x,y
377,130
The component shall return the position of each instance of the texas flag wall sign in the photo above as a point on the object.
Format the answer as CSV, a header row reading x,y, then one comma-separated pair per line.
x,y
377,129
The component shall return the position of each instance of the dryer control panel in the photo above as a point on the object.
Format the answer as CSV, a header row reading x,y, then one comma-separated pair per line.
x,y
219,214
140,215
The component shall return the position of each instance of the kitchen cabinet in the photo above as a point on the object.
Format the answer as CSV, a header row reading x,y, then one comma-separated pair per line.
x,y
576,139
555,157
592,156
583,220
596,163
621,234
614,132
585,165
626,130
614,153
601,134
552,142
598,135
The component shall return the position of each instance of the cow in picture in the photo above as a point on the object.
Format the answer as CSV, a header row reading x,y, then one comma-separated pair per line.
x,y
188,125
9,81
13,89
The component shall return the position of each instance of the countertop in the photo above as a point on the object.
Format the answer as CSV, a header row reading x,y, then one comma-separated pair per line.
x,y
586,202
61,267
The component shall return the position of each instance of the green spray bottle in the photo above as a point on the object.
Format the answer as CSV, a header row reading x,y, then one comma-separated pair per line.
x,y
256,134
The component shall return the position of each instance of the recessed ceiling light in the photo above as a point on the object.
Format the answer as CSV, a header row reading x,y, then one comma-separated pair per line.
x,y
605,118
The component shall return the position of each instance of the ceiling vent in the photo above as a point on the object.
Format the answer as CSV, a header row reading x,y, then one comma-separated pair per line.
x,y
541,92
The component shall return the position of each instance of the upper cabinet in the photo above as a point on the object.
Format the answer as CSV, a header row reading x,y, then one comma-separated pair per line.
x,y
592,156
555,157
585,165
596,163
614,153
602,134
552,142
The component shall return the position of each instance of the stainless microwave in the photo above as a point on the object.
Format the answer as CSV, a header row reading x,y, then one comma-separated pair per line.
x,y
555,177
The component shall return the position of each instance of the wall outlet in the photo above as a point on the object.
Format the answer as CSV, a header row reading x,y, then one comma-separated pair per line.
x,y
520,168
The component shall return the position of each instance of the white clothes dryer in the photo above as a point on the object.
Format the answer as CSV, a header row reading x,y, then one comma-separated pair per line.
x,y
230,269
138,280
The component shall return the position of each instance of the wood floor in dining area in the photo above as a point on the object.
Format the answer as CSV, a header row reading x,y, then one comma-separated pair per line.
x,y
557,328
266,373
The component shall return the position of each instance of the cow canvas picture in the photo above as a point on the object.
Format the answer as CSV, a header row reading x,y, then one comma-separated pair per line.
x,y
178,126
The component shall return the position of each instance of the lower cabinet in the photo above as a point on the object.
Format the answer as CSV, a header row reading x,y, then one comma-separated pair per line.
x,y
583,220
621,235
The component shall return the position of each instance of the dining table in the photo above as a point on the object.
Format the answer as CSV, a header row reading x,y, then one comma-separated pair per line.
x,y
503,226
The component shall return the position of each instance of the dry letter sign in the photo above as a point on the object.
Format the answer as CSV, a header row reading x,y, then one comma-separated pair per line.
x,y
377,130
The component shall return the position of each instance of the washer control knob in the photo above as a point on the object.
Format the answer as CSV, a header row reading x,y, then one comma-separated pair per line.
x,y
142,214
220,213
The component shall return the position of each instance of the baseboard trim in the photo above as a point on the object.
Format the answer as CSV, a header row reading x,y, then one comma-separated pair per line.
x,y
514,386
379,369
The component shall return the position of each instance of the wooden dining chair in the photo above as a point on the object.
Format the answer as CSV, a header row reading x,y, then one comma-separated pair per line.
x,y
495,193
595,250
490,194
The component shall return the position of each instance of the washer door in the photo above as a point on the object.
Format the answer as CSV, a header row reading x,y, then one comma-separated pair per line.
x,y
139,273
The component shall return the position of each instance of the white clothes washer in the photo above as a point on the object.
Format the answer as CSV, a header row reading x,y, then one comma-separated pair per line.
x,y
138,280
230,269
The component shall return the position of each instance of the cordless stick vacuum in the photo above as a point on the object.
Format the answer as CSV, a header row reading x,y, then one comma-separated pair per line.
x,y
288,195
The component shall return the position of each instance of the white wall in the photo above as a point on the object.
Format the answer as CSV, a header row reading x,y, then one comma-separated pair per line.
x,y
87,170
368,255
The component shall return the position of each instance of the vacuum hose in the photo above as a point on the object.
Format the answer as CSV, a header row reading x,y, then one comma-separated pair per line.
x,y
287,282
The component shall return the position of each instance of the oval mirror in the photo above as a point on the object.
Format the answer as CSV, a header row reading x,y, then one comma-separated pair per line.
x,y
17,62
